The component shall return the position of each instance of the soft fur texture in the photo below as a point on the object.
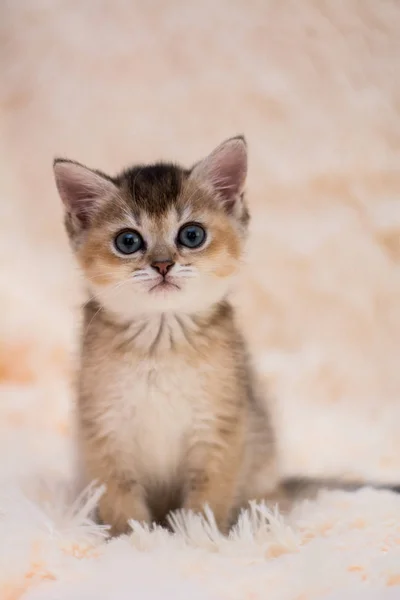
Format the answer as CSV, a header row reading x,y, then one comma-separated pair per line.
x,y
170,416
315,87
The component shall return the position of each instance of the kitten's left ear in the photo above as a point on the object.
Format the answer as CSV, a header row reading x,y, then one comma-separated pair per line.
x,y
225,171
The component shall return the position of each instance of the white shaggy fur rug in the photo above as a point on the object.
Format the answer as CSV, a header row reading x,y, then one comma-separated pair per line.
x,y
341,545
344,545
315,87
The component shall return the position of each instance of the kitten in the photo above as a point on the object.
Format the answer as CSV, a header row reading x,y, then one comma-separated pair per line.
x,y
168,413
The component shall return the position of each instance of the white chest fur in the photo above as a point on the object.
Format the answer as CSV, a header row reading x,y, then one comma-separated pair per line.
x,y
147,413
149,396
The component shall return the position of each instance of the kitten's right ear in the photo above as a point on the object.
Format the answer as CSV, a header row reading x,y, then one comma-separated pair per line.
x,y
81,189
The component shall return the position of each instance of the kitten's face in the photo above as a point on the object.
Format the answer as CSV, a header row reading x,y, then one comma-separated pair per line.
x,y
158,238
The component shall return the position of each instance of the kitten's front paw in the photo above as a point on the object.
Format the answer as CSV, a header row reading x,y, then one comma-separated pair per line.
x,y
118,506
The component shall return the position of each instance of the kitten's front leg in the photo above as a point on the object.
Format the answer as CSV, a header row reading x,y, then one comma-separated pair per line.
x,y
213,477
123,500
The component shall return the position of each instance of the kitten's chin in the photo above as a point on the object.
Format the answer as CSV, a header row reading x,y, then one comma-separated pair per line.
x,y
164,288
168,297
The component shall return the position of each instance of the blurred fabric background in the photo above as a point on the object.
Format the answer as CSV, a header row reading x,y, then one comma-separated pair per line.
x,y
315,87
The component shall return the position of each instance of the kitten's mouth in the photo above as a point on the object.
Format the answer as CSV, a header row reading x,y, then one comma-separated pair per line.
x,y
164,286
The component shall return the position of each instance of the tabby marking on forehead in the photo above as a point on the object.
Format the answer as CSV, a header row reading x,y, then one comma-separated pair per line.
x,y
152,189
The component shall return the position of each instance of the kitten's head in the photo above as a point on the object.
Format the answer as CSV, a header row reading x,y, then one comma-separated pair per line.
x,y
158,238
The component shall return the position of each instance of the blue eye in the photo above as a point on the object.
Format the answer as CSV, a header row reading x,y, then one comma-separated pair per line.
x,y
128,241
191,236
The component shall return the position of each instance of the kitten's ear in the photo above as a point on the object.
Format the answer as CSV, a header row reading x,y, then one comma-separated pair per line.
x,y
225,170
81,189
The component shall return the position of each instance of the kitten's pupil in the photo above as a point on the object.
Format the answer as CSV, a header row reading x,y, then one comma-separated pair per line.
x,y
128,239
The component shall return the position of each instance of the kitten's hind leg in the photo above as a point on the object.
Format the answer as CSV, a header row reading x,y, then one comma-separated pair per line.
x,y
123,500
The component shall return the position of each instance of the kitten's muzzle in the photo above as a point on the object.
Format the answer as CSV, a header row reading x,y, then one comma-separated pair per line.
x,y
162,266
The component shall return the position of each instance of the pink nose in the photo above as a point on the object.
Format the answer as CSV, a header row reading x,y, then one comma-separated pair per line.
x,y
162,266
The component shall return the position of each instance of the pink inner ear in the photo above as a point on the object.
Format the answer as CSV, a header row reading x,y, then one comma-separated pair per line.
x,y
81,189
229,174
225,169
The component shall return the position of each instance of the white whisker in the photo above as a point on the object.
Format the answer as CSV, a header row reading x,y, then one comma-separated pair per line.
x,y
95,277
184,276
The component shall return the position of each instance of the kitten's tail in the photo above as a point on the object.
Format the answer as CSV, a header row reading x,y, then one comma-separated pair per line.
x,y
302,488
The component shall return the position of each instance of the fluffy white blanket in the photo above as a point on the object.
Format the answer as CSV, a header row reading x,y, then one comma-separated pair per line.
x,y
343,545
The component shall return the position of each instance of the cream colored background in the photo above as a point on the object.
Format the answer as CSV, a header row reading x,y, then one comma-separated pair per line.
x,y
315,87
